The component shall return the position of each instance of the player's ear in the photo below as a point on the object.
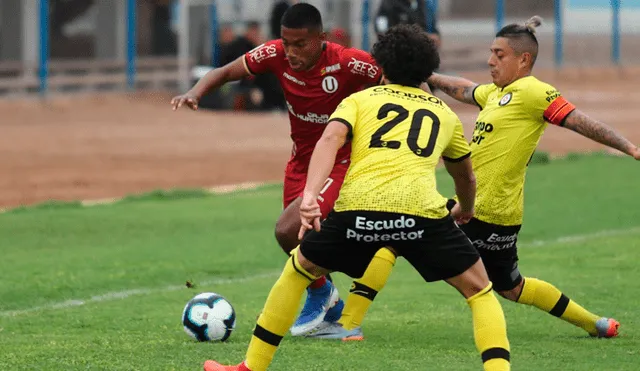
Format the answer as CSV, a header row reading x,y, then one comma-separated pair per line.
x,y
322,36
526,59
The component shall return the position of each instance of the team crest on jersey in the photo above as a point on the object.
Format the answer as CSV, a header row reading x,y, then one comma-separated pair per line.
x,y
505,99
329,69
329,84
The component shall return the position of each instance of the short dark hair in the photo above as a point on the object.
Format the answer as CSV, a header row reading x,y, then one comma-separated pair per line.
x,y
302,15
522,37
406,54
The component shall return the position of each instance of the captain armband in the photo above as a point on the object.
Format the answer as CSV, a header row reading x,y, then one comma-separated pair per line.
x,y
559,109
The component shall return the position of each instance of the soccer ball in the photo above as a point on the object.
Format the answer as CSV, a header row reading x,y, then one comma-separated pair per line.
x,y
208,317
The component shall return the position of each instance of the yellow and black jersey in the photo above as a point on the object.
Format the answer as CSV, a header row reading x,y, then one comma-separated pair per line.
x,y
398,135
507,131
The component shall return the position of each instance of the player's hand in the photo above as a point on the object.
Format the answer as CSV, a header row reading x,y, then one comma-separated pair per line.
x,y
460,216
636,153
309,215
185,99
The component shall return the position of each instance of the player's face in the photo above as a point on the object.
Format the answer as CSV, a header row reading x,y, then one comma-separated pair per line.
x,y
302,46
505,65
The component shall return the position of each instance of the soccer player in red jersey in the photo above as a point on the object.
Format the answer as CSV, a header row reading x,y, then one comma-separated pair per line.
x,y
315,76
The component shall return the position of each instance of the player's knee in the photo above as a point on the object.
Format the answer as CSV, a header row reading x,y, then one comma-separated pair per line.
x,y
286,235
309,266
512,294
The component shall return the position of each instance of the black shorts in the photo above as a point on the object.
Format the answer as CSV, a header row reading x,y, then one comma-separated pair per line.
x,y
348,240
497,245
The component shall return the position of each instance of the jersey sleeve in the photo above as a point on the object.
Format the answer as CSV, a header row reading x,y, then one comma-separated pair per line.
x,y
545,102
481,94
346,113
458,149
361,66
264,58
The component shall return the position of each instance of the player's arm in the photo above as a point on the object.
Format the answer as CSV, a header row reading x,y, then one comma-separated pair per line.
x,y
600,132
324,156
457,161
213,79
465,184
458,88
322,161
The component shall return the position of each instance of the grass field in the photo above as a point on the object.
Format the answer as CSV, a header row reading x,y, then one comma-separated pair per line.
x,y
102,288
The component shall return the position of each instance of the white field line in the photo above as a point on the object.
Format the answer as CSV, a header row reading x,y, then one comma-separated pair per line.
x,y
582,237
222,189
118,295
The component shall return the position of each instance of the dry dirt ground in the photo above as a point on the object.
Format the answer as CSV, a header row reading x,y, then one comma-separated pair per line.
x,y
86,147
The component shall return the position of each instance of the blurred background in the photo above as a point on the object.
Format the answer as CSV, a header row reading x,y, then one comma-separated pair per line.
x,y
57,46
85,85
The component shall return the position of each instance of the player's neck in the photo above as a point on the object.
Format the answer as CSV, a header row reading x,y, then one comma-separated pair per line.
x,y
316,62
517,78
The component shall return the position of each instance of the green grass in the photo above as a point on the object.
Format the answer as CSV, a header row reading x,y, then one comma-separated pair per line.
x,y
56,252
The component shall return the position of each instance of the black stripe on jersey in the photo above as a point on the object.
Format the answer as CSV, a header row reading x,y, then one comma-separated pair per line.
x,y
473,96
449,159
246,65
346,123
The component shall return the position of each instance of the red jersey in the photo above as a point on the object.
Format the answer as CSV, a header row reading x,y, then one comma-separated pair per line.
x,y
313,95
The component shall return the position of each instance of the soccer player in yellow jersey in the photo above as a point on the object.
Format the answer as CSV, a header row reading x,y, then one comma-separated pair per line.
x,y
514,112
389,198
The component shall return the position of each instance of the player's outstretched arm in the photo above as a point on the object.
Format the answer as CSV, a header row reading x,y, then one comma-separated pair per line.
x,y
465,183
458,88
600,132
213,79
320,166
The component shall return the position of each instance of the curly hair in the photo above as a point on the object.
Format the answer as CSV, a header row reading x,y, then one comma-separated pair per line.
x,y
406,54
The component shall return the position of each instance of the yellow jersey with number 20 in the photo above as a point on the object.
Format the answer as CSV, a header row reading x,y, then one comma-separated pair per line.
x,y
398,135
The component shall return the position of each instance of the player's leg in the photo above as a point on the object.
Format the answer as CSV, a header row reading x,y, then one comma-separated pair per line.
x,y
511,285
489,324
547,297
326,248
446,254
361,295
364,290
287,227
288,223
501,262
278,314
319,291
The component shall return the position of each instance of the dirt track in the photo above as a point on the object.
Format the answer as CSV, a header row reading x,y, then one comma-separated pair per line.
x,y
94,147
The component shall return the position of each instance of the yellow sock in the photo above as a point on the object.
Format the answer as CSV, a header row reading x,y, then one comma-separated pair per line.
x,y
278,314
547,297
490,330
365,289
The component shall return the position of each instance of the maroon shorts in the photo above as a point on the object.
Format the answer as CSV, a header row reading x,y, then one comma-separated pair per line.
x,y
294,183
